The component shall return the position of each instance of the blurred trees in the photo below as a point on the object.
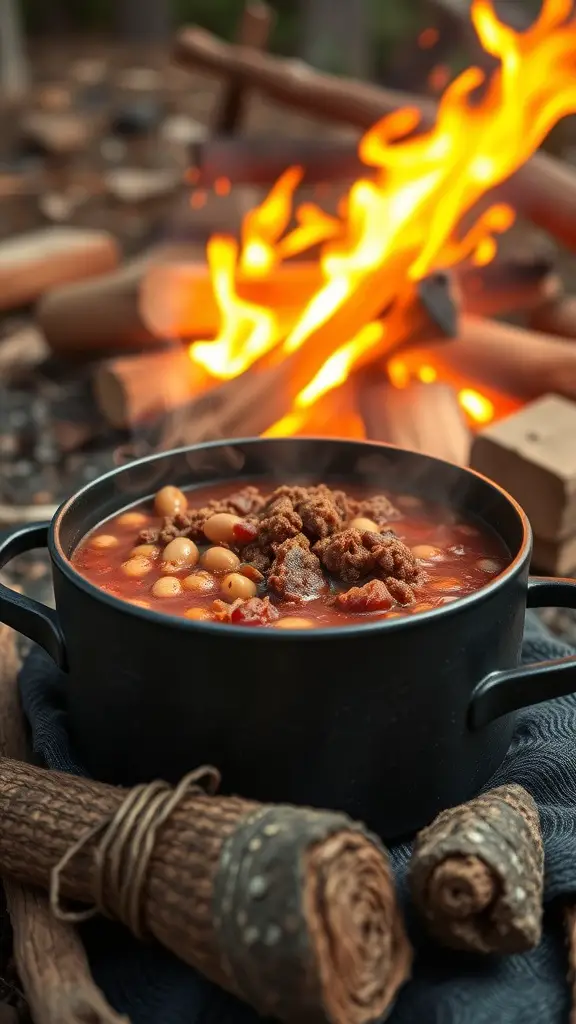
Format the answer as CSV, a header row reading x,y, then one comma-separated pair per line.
x,y
336,35
14,71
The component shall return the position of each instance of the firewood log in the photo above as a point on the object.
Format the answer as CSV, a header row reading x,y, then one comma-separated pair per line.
x,y
256,24
33,263
544,189
525,364
277,904
558,316
421,417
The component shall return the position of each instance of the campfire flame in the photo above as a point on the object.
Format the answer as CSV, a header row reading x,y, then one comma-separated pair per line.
x,y
398,224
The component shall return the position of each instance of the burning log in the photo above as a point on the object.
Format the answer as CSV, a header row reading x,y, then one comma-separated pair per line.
x,y
133,389
165,295
509,285
260,161
251,403
254,30
544,189
291,81
422,417
523,363
177,299
556,317
130,390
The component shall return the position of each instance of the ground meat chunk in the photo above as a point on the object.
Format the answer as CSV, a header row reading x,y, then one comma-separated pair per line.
x,y
379,509
402,592
296,575
244,503
291,494
184,524
254,555
150,535
297,495
320,517
256,611
372,597
279,524
391,556
345,555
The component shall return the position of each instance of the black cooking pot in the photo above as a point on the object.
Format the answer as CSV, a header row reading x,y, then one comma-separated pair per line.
x,y
390,720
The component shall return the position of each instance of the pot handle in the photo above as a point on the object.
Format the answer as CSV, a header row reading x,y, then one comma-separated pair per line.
x,y
31,618
501,692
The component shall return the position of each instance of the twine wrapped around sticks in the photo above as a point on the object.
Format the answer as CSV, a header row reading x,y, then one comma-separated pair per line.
x,y
293,910
477,873
126,845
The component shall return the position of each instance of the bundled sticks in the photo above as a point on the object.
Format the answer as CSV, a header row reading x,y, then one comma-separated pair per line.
x,y
477,873
274,903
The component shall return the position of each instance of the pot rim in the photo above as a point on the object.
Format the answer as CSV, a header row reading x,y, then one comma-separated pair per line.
x,y
61,560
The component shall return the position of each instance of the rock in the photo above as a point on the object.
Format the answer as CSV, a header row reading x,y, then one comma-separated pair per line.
x,y
182,130
137,119
137,185
60,133
139,80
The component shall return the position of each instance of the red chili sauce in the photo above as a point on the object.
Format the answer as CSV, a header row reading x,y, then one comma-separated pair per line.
x,y
289,557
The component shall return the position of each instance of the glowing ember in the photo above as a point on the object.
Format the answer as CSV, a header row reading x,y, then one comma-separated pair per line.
x,y
398,224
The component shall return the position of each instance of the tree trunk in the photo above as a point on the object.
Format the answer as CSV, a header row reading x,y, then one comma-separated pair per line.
x,y
144,21
336,36
14,71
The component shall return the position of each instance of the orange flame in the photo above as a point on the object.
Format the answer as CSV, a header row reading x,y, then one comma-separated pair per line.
x,y
401,224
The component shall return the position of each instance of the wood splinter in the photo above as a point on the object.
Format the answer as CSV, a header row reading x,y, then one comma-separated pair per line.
x,y
49,955
477,873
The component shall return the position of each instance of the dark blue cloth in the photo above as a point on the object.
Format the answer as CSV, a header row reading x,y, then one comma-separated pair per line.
x,y
152,987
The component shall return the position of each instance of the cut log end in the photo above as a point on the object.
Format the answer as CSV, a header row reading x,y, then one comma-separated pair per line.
x,y
477,874
361,948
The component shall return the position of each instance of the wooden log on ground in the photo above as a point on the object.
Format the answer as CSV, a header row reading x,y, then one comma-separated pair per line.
x,y
524,364
510,285
164,295
253,32
49,955
421,417
179,865
33,263
130,390
558,317
532,454
102,315
544,189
